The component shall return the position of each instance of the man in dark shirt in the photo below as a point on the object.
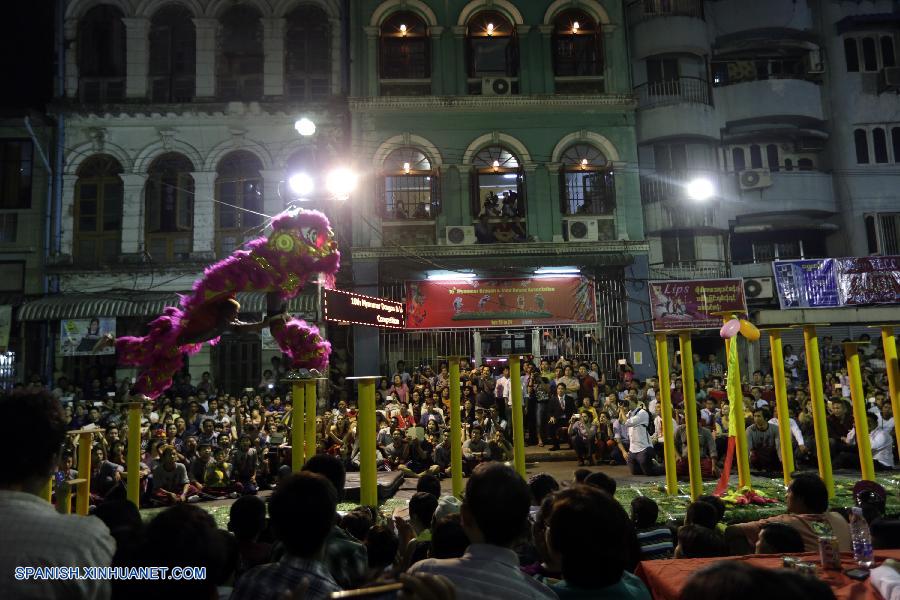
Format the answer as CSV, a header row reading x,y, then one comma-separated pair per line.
x,y
763,442
588,387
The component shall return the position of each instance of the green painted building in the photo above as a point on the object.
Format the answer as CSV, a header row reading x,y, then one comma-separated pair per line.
x,y
496,137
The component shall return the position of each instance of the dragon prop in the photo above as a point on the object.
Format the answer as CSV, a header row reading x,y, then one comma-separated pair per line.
x,y
301,244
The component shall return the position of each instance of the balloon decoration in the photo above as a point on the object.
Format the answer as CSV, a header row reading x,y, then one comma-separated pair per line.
x,y
730,329
749,330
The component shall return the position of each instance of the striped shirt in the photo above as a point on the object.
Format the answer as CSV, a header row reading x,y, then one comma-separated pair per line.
x,y
656,542
485,572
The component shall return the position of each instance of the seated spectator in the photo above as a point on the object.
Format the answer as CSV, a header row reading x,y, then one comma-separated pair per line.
x,y
170,481
541,486
655,540
583,437
34,534
448,538
346,557
218,483
429,483
871,498
474,451
415,535
763,442
382,546
603,481
716,503
778,538
701,513
581,474
247,520
734,580
123,519
494,515
302,510
697,541
357,523
547,568
709,455
807,512
588,530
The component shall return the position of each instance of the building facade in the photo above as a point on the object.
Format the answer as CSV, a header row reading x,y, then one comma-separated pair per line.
x,y
178,120
496,137
789,109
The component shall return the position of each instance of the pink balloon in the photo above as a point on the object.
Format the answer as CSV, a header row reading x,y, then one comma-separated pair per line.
x,y
730,329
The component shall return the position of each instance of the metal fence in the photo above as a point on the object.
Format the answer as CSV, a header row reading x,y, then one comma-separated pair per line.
x,y
605,341
642,10
673,91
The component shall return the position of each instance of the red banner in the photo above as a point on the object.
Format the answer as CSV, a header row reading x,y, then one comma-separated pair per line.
x,y
500,302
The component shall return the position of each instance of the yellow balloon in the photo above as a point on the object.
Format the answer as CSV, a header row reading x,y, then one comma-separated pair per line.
x,y
749,330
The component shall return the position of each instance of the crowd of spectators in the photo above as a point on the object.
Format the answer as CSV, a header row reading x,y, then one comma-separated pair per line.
x,y
506,538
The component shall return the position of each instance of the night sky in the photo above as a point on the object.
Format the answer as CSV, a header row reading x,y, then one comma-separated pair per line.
x,y
26,45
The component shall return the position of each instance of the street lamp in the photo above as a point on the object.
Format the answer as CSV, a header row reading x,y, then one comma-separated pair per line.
x,y
305,127
301,184
341,182
700,189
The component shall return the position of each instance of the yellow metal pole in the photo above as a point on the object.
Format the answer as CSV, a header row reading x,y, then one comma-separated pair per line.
x,y
133,458
310,390
817,395
863,444
64,496
83,494
784,417
368,493
893,372
690,414
662,368
455,428
298,397
518,419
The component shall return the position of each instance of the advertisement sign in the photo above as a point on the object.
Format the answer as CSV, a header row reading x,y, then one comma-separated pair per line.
x,y
869,280
806,283
688,304
349,307
5,324
500,302
77,337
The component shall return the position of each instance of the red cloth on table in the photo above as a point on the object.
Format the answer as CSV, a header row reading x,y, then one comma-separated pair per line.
x,y
666,578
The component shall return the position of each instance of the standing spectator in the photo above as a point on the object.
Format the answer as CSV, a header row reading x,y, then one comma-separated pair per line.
x,y
302,510
640,450
587,386
494,515
34,534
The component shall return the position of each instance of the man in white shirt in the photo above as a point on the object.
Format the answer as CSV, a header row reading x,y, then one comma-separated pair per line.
x,y
640,450
494,514
34,534
795,430
881,442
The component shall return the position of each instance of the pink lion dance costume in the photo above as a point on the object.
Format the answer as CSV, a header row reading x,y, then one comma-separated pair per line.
x,y
300,245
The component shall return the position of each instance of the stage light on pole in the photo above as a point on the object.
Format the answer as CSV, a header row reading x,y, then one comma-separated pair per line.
x,y
700,189
305,127
341,182
301,184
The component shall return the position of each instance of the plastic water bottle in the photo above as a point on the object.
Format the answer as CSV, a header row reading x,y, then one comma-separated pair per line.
x,y
861,538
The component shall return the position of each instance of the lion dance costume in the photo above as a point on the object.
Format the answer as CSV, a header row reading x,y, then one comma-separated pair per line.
x,y
300,245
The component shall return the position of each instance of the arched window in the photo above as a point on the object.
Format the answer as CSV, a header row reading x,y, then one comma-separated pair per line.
x,y
887,52
772,157
239,191
101,55
172,55
870,56
738,161
755,157
587,182
879,142
307,65
170,208
499,184
98,211
405,60
493,50
239,64
861,142
851,54
576,46
410,188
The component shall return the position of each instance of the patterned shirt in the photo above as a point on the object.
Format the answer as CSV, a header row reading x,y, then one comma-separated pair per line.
x,y
346,558
270,581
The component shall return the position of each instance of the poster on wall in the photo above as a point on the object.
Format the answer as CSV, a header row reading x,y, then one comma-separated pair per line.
x,y
5,324
688,304
500,302
869,280
77,337
806,283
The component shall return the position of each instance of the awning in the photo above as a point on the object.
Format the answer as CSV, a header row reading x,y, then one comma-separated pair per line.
x,y
137,304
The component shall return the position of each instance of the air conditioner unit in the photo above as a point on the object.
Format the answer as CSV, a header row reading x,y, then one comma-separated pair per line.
x,y
889,79
496,86
755,179
581,229
815,64
460,235
759,288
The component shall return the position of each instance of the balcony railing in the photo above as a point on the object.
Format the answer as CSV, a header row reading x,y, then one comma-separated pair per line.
x,y
690,269
172,88
98,90
642,10
674,91
660,186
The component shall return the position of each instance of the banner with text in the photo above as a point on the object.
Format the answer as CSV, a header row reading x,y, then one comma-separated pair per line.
x,y
688,304
834,282
347,307
500,302
77,337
